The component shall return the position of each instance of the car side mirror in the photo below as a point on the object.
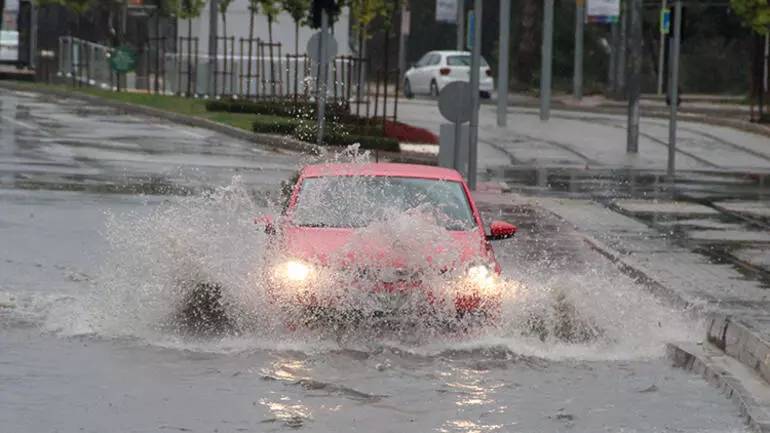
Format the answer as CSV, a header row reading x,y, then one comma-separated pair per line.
x,y
499,230
267,222
412,65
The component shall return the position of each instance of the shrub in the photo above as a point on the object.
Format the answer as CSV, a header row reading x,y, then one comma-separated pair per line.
x,y
274,125
337,135
278,107
409,134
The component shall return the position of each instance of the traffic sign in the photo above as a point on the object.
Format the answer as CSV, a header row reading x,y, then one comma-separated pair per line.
x,y
123,59
454,102
329,47
665,21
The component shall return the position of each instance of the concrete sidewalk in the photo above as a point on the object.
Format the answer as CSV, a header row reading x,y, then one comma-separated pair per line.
x,y
584,139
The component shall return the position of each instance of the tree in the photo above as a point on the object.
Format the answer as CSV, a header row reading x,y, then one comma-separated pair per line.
x,y
223,6
298,9
253,9
755,13
189,9
271,9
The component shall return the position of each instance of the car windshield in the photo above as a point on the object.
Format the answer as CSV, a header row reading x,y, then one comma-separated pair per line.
x,y
357,201
462,60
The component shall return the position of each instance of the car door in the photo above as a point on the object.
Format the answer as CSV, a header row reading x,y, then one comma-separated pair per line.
x,y
432,70
416,74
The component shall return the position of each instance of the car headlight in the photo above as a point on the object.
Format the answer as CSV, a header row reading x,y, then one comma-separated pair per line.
x,y
294,271
481,277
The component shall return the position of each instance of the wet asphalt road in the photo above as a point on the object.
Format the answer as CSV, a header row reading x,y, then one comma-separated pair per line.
x,y
96,207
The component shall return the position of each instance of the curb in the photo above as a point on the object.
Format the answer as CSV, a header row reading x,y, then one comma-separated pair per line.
x,y
275,142
736,381
736,338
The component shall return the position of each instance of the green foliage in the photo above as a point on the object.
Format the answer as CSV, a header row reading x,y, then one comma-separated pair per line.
x,y
271,125
224,5
78,7
271,9
286,108
366,11
755,14
189,9
298,9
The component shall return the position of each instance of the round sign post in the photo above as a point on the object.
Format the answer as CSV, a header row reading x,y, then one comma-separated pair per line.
x,y
455,104
123,59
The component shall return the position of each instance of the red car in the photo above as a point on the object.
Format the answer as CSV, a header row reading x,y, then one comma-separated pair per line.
x,y
379,237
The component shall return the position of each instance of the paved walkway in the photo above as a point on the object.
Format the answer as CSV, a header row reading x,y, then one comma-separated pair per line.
x,y
591,140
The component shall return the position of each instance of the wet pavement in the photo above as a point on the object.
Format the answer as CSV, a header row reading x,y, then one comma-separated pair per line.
x,y
98,210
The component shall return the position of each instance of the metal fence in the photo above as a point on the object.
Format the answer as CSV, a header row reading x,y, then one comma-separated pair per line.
x,y
243,70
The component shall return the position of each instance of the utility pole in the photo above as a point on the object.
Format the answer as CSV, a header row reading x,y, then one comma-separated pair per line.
x,y
662,53
475,70
673,90
213,48
634,74
577,76
460,25
404,34
503,64
545,66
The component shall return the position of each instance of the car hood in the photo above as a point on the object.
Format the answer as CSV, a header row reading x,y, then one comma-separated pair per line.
x,y
346,247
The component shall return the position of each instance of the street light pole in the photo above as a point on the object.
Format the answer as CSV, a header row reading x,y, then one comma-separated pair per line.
x,y
662,53
322,77
577,76
673,91
475,69
460,24
634,74
545,68
502,64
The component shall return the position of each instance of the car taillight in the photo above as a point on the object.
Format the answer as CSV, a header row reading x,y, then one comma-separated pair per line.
x,y
489,72
444,71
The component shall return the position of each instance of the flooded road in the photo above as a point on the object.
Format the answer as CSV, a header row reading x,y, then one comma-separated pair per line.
x,y
100,211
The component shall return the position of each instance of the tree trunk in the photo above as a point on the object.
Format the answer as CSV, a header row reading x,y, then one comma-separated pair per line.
x,y
224,35
526,58
272,63
296,60
189,57
249,57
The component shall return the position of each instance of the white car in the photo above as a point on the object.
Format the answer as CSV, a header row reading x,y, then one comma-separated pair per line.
x,y
436,69
9,46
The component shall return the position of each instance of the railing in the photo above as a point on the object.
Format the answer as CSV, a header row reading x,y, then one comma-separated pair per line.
x,y
256,76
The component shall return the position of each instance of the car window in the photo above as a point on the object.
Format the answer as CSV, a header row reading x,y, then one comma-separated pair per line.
x,y
424,60
462,60
435,60
357,201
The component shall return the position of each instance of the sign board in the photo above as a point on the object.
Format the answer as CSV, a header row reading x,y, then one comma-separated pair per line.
x,y
454,102
406,21
122,60
602,11
329,47
446,11
665,21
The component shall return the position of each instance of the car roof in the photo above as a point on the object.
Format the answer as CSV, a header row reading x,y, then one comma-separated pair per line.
x,y
452,53
381,169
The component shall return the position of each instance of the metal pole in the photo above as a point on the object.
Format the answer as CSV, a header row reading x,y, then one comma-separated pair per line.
x,y
662,53
403,35
767,55
634,74
614,44
322,78
577,76
673,86
213,48
503,64
545,68
460,24
620,65
475,70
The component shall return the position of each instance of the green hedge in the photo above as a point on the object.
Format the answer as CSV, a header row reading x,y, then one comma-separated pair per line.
x,y
339,135
285,126
279,107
